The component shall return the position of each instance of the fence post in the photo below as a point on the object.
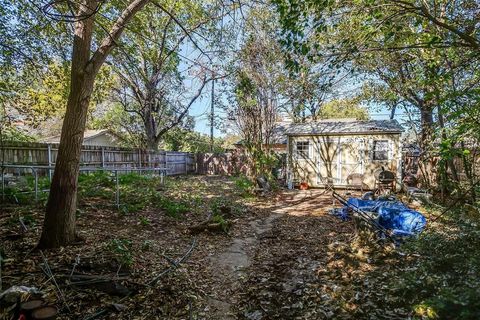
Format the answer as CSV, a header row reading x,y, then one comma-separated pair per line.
x,y
3,184
166,160
117,190
36,183
103,157
49,150
139,159
186,163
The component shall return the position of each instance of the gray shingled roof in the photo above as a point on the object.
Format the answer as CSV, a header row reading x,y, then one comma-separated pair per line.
x,y
344,127
278,133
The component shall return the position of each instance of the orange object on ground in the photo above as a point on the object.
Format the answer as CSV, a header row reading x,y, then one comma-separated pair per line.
x,y
303,186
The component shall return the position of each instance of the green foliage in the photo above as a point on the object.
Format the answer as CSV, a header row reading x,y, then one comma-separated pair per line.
x,y
244,185
224,225
117,120
434,276
345,108
46,97
22,190
265,162
411,59
446,277
162,97
173,208
187,140
134,179
9,132
97,184
137,192
144,221
147,245
219,208
122,249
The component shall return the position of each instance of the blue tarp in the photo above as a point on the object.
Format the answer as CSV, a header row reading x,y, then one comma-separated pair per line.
x,y
392,215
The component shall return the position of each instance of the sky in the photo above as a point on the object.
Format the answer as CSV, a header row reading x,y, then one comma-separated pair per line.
x,y
201,112
201,109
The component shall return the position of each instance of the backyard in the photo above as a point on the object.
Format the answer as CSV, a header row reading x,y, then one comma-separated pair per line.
x,y
254,159
281,256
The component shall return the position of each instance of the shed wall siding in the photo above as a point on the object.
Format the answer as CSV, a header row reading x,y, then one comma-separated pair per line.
x,y
338,156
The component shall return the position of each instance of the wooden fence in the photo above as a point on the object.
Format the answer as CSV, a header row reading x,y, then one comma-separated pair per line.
x,y
411,164
41,154
232,163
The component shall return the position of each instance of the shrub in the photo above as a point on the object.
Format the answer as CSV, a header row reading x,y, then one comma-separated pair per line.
x,y
23,190
244,185
96,184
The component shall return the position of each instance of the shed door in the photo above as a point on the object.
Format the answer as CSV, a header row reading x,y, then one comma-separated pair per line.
x,y
338,158
351,158
328,152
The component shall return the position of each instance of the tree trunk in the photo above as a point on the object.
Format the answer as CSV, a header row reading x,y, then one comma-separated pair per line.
x,y
426,120
59,223
150,129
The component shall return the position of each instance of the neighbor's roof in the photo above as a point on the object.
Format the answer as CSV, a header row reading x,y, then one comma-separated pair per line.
x,y
87,135
278,134
326,127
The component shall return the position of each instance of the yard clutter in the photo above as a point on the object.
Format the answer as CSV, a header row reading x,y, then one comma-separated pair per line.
x,y
389,216
25,303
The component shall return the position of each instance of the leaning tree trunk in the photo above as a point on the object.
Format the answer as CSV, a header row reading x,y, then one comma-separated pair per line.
x,y
59,223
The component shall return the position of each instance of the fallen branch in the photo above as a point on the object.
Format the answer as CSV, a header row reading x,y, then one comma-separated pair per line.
x,y
206,226
22,224
175,265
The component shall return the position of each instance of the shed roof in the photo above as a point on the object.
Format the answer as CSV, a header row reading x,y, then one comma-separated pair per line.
x,y
327,127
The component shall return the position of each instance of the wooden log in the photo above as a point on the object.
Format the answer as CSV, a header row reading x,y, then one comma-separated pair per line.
x,y
207,226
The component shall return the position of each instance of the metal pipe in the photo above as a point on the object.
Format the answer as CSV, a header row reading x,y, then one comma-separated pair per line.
x,y
36,183
3,184
117,191
162,171
49,161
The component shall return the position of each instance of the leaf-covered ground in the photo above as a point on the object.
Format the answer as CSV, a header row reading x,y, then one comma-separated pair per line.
x,y
275,257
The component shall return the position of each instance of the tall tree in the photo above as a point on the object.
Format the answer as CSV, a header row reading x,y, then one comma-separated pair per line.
x,y
258,88
153,87
59,224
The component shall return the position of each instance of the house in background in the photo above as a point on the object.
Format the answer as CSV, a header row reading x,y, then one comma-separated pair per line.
x,y
334,150
102,138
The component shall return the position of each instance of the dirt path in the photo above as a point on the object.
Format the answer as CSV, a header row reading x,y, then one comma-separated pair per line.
x,y
265,273
233,263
